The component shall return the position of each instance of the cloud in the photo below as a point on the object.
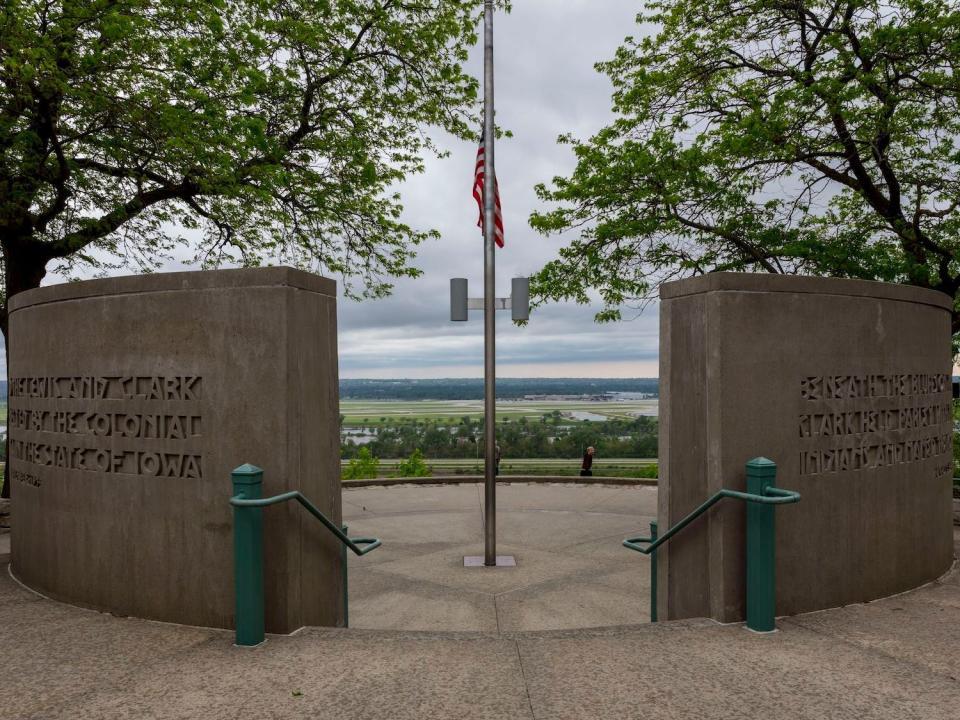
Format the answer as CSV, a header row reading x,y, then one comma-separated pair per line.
x,y
546,85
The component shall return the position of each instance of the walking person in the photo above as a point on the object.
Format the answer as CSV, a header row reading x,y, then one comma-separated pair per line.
x,y
587,464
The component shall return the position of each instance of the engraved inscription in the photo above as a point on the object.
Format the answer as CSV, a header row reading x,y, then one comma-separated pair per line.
x,y
866,457
859,422
23,478
134,425
53,430
839,387
107,461
863,422
150,387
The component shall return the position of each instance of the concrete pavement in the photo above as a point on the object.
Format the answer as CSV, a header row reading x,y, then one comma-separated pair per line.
x,y
571,570
894,658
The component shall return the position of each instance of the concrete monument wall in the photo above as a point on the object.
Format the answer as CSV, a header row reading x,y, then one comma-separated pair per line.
x,y
131,400
845,384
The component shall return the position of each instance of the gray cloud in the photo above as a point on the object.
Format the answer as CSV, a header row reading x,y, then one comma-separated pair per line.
x,y
546,85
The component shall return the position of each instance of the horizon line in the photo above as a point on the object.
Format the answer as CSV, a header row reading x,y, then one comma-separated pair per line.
x,y
545,377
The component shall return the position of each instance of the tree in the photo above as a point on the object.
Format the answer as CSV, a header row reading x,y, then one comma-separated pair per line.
x,y
783,136
362,467
265,130
278,128
414,466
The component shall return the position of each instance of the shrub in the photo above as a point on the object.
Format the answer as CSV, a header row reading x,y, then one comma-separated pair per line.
x,y
363,466
649,471
414,466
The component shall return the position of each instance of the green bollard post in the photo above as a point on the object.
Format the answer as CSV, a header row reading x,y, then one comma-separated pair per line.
x,y
653,574
248,555
761,548
343,569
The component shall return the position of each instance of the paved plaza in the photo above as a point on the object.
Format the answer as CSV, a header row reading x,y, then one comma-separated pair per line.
x,y
431,639
572,572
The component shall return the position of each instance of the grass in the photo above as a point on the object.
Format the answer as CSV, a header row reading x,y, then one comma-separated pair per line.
x,y
615,467
375,413
599,470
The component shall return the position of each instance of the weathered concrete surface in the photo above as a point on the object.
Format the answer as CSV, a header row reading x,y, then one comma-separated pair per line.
x,y
571,570
846,386
132,399
893,659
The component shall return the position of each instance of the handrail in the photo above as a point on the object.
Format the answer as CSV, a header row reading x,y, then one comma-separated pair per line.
x,y
248,549
359,546
762,498
771,496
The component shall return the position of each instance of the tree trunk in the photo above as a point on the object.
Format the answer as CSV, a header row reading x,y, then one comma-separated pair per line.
x,y
5,491
25,263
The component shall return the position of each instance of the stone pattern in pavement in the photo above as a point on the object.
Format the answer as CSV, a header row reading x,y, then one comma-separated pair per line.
x,y
893,659
572,572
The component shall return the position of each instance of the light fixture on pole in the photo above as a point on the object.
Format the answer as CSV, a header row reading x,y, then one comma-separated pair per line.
x,y
519,306
518,303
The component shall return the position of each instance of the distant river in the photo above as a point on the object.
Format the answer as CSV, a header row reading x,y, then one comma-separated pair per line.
x,y
592,417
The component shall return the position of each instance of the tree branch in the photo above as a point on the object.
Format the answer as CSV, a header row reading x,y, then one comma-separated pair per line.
x,y
93,229
743,245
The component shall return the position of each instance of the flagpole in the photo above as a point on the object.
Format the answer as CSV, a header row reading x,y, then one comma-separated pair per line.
x,y
489,292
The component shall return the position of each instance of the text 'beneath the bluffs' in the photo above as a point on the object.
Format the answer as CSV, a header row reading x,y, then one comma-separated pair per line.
x,y
864,422
93,423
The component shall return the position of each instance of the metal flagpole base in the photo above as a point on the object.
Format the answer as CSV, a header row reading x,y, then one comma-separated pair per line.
x,y
477,561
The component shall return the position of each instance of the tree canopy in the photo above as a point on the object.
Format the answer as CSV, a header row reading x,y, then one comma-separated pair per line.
x,y
267,129
787,136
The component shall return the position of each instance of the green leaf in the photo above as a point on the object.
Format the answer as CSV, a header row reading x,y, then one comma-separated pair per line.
x,y
277,132
749,136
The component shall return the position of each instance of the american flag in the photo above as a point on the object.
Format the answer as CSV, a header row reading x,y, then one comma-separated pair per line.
x,y
478,196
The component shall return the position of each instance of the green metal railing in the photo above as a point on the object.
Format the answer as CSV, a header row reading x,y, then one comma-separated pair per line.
x,y
761,497
248,548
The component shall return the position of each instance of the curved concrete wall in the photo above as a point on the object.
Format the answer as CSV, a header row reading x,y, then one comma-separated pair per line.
x,y
132,399
845,384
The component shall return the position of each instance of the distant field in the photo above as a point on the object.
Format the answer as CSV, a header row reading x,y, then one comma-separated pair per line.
x,y
368,413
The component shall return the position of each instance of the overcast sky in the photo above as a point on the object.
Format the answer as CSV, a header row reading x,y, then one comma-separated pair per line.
x,y
546,85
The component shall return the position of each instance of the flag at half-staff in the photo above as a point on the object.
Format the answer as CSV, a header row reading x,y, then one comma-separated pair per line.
x,y
478,196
